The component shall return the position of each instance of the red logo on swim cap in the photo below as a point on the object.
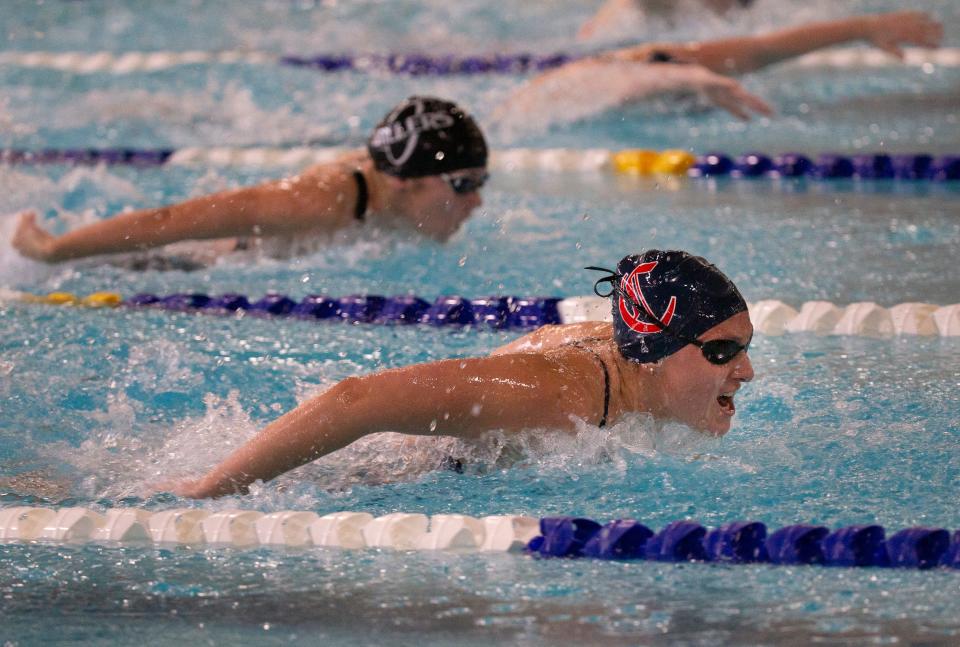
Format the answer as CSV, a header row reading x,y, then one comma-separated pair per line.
x,y
631,285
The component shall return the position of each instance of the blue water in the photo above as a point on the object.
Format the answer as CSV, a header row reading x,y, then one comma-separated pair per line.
x,y
96,404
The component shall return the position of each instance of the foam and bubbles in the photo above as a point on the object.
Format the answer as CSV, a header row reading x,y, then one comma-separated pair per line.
x,y
129,455
216,114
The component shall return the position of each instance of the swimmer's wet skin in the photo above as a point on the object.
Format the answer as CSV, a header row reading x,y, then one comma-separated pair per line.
x,y
423,169
676,350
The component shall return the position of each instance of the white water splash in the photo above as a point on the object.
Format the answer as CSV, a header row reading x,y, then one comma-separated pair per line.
x,y
128,457
163,365
9,126
227,114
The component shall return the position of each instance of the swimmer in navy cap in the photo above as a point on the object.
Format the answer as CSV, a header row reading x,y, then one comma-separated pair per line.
x,y
423,168
677,350
678,344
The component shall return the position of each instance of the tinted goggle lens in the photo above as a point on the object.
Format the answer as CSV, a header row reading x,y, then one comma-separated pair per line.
x,y
721,351
464,184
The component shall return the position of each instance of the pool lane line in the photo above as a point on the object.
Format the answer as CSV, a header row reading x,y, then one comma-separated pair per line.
x,y
769,316
911,167
415,64
737,542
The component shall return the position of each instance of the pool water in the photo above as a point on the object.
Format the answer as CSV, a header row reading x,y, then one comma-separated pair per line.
x,y
96,405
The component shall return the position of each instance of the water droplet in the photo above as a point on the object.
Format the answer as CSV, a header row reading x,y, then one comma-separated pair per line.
x,y
462,261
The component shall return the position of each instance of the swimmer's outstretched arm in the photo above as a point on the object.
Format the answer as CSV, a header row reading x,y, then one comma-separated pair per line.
x,y
309,201
887,31
459,397
583,88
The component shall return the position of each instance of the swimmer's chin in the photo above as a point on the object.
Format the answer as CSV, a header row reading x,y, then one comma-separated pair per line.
x,y
717,430
709,429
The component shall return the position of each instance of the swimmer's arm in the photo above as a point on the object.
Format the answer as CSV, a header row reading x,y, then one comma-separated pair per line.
x,y
587,87
749,53
273,208
608,15
462,398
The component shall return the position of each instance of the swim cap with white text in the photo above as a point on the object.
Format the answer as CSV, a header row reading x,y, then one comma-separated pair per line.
x,y
427,136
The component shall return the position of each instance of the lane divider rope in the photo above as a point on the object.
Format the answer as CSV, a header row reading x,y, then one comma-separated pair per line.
x,y
769,316
738,542
423,65
634,162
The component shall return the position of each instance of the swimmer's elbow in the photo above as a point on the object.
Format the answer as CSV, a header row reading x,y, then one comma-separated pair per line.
x,y
350,392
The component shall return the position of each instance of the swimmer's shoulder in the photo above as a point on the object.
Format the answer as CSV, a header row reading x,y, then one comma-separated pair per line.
x,y
332,187
554,336
343,165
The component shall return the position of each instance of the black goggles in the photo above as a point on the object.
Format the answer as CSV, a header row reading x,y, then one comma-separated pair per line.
x,y
464,184
715,351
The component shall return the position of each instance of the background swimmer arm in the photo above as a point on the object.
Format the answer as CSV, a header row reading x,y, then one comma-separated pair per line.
x,y
591,86
461,398
608,16
748,53
273,208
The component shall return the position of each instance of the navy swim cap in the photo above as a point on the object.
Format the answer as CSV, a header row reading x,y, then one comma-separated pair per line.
x,y
426,136
686,293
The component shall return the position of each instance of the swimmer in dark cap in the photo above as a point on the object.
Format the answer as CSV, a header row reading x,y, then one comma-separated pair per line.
x,y
677,350
423,169
610,79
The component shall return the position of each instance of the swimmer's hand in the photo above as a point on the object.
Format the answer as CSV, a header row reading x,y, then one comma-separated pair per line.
x,y
730,95
201,488
32,240
891,30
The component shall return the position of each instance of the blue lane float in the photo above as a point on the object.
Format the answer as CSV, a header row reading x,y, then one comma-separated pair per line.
x,y
89,156
798,544
492,312
424,65
828,166
747,542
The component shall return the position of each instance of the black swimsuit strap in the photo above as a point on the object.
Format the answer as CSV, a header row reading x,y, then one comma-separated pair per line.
x,y
362,196
606,380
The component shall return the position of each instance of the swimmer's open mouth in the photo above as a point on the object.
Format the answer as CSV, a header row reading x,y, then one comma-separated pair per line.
x,y
726,403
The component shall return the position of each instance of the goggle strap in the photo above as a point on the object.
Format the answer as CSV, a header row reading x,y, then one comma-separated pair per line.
x,y
611,278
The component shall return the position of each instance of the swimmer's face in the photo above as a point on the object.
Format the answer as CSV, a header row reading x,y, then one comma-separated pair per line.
x,y
434,208
700,394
